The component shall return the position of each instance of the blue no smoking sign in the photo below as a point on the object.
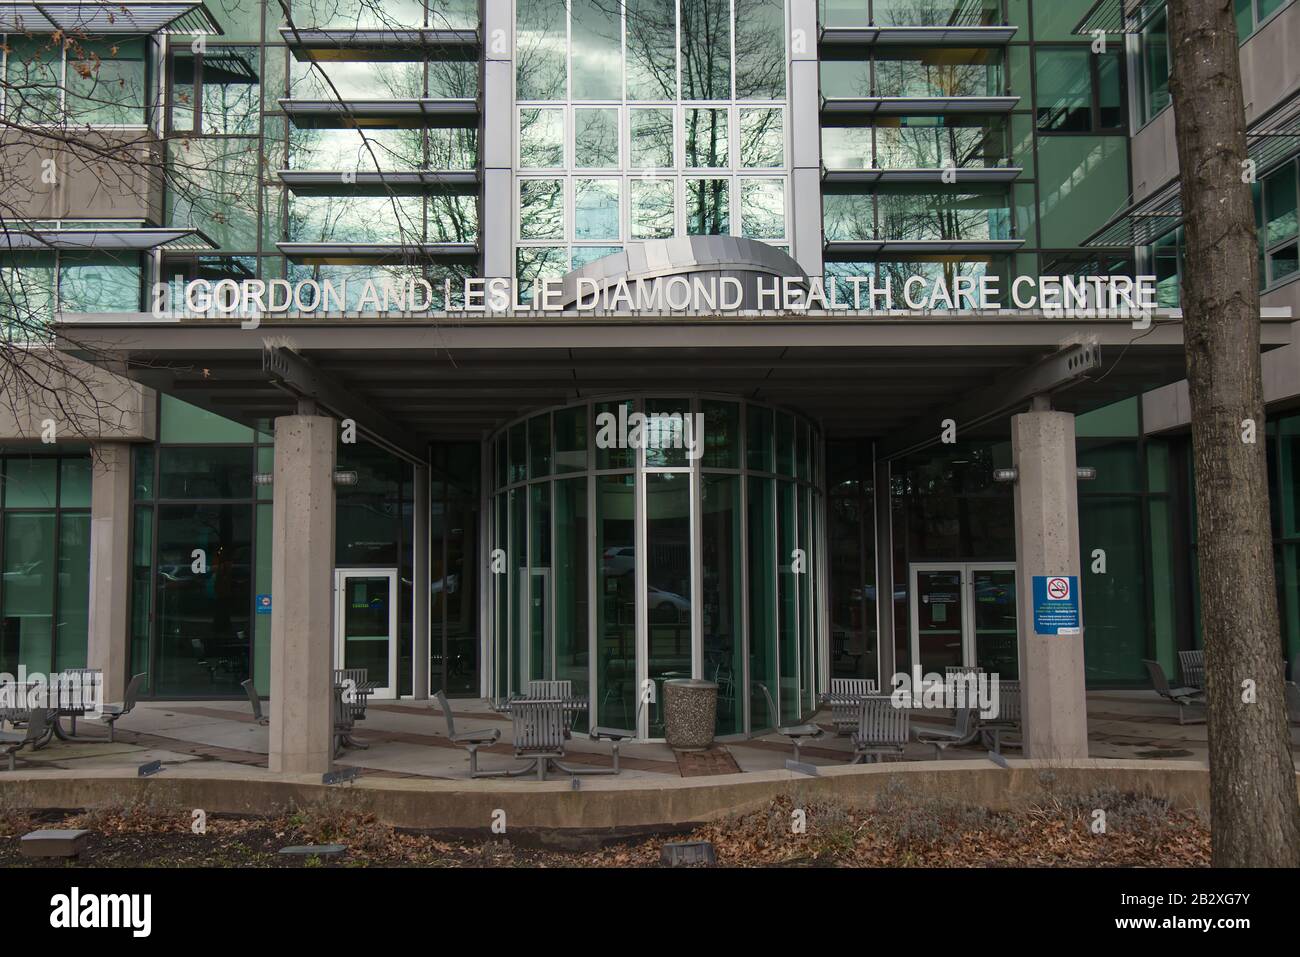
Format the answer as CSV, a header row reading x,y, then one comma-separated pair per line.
x,y
1056,605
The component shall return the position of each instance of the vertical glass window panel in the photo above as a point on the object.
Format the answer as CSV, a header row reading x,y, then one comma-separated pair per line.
x,y
27,304
665,433
595,138
29,576
99,282
1064,95
73,619
262,586
668,583
1114,601
720,600
1110,93
762,601
202,628
517,569
1082,180
571,439
785,443
33,87
572,650
760,49
595,209
848,216
596,37
539,446
610,420
582,255
758,442
141,590
242,19
213,186
846,147
938,72
462,634
651,49
182,422
501,584
845,78
844,13
1280,205
941,13
538,665
541,138
1154,56
517,438
616,601
721,434
540,40
541,209
448,149
652,138
708,207
74,483
653,212
106,82
534,263
231,101
29,482
762,138
451,219
787,603
807,620
143,475
762,208
802,451
707,141
706,49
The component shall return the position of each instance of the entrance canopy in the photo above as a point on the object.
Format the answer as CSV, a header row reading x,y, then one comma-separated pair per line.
x,y
423,381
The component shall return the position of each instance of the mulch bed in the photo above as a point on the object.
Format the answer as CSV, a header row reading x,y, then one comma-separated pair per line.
x,y
896,830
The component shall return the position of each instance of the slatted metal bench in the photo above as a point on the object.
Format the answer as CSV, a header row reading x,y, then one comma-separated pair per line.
x,y
882,729
1008,720
1192,665
357,689
845,700
554,688
74,692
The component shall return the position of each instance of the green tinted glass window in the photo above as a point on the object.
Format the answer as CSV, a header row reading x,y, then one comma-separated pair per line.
x,y
29,482
182,422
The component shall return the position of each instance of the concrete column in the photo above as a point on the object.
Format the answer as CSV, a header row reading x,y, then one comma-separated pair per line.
x,y
804,117
496,140
108,644
420,584
302,594
1047,543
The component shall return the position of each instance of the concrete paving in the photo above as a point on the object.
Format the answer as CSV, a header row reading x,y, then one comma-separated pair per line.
x,y
408,738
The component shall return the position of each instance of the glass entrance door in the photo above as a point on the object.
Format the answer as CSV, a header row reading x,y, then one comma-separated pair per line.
x,y
938,617
964,614
365,625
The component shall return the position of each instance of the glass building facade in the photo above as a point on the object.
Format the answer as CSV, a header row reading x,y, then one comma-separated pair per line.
x,y
950,138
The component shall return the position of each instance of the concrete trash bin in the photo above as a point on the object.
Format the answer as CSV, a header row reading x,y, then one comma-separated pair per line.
x,y
690,713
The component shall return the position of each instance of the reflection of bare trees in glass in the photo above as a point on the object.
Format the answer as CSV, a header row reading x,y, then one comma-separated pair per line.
x,y
936,13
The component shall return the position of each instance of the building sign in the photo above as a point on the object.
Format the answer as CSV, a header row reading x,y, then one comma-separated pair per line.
x,y
1107,296
1056,605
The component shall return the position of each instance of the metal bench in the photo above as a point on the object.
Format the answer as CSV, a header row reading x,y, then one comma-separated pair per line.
x,y
37,728
882,729
964,730
113,712
73,694
471,740
1008,719
554,688
1183,697
795,732
1192,666
845,700
254,699
357,689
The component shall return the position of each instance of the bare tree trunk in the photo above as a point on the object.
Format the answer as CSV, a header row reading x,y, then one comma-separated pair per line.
x,y
1255,819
